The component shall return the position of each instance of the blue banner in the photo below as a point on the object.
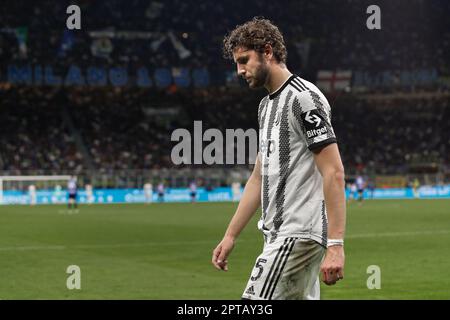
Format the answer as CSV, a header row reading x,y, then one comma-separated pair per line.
x,y
425,192
164,77
100,76
118,196
203,195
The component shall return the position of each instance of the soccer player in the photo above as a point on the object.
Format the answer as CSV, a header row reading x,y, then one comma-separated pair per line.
x,y
415,186
161,192
72,189
32,194
148,192
193,189
353,192
89,194
236,190
360,185
298,176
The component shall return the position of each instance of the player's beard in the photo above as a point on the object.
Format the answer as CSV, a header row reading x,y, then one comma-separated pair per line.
x,y
261,74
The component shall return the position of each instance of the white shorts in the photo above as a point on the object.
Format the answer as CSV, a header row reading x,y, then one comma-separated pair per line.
x,y
287,269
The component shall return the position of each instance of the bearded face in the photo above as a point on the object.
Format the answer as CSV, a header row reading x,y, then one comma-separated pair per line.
x,y
252,67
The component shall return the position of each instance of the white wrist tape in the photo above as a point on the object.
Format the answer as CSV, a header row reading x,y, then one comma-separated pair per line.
x,y
335,242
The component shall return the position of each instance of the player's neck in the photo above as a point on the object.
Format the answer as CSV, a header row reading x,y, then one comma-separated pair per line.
x,y
277,77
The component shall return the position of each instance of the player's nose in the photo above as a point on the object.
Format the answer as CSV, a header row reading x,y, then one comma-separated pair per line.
x,y
241,71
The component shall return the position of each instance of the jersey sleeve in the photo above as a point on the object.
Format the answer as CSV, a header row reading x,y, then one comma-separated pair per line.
x,y
312,119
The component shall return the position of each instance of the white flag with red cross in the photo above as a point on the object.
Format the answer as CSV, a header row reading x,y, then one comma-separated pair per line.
x,y
330,81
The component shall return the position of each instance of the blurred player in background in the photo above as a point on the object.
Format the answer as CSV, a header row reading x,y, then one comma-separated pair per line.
x,y
32,194
58,191
72,189
193,191
236,191
353,194
89,194
298,176
415,187
360,185
161,191
148,192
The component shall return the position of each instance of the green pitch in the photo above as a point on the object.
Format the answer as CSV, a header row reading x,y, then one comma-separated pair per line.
x,y
163,251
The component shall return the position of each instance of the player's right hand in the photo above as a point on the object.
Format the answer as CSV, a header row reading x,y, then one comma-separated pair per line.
x,y
332,267
221,252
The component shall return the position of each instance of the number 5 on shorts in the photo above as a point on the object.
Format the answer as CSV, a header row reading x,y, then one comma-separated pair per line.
x,y
260,268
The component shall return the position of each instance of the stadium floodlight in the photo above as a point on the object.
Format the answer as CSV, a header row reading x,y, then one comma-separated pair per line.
x,y
28,179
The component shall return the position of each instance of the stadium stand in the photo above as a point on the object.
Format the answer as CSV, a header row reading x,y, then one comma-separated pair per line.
x,y
108,128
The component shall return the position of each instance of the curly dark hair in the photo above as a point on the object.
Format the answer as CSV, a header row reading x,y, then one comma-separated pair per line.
x,y
254,35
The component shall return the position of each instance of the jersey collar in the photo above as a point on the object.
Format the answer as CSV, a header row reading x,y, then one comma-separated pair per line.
x,y
278,91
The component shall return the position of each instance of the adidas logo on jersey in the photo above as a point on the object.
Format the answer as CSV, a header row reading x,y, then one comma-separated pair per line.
x,y
250,291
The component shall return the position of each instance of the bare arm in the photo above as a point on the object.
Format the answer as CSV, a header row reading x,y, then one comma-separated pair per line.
x,y
250,202
329,163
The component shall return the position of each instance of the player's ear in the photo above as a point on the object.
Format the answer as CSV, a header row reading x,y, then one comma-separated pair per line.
x,y
268,52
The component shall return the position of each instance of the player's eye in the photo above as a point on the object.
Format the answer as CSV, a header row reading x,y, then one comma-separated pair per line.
x,y
242,60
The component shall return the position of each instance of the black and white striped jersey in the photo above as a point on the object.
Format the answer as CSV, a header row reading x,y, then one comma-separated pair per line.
x,y
293,121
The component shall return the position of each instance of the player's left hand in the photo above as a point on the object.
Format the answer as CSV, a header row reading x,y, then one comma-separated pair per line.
x,y
332,268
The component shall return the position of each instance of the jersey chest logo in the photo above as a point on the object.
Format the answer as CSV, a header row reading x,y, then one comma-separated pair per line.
x,y
277,118
267,147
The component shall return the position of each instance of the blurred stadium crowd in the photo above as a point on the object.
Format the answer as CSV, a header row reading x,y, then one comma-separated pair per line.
x,y
417,36
106,128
